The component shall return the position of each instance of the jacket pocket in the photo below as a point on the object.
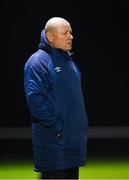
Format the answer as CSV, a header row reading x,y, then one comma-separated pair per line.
x,y
57,128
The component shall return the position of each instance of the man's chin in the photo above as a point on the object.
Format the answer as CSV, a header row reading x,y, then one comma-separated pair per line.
x,y
68,49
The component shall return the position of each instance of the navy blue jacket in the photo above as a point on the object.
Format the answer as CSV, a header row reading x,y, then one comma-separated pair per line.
x,y
54,96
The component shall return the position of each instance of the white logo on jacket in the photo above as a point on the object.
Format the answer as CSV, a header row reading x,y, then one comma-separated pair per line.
x,y
57,69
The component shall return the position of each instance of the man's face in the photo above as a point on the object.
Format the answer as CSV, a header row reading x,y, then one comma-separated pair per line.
x,y
62,37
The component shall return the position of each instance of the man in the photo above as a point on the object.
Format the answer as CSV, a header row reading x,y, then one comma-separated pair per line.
x,y
53,92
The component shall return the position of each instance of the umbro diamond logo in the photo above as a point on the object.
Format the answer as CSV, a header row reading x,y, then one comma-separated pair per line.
x,y
57,69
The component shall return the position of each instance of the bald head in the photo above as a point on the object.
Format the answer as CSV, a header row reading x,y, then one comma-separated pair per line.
x,y
59,33
55,23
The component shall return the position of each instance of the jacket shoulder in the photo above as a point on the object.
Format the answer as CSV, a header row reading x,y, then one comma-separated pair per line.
x,y
38,60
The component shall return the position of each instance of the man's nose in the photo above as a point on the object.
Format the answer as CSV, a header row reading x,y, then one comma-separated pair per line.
x,y
70,36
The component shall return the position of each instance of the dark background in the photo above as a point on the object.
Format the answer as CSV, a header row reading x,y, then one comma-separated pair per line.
x,y
100,46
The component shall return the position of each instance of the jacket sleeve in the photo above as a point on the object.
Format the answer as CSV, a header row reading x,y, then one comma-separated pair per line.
x,y
40,101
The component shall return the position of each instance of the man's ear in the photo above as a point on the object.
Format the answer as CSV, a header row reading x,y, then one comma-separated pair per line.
x,y
49,37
